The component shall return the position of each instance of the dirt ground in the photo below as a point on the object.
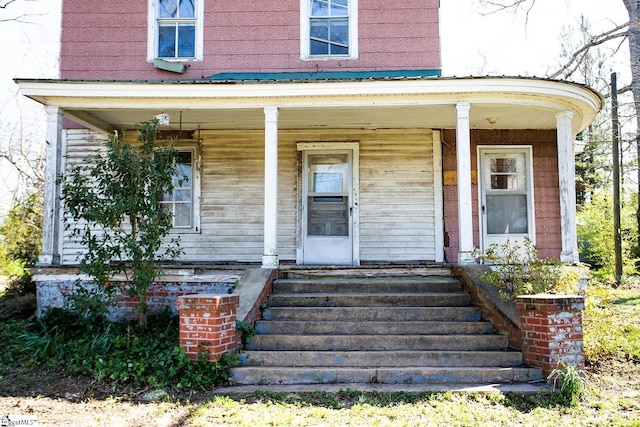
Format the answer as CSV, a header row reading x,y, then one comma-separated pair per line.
x,y
58,400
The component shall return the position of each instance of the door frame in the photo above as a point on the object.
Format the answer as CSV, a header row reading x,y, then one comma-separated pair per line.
x,y
302,148
527,150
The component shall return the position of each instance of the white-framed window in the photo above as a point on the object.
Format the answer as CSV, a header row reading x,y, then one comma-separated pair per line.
x,y
328,29
176,30
184,200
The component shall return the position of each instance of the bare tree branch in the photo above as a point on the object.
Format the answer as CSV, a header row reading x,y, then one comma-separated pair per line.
x,y
22,18
579,54
512,6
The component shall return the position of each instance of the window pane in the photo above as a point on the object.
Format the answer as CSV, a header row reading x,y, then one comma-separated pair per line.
x,y
166,41
325,182
328,216
320,29
186,41
339,8
319,8
187,9
507,214
182,216
182,178
339,31
167,8
339,50
507,173
182,195
319,48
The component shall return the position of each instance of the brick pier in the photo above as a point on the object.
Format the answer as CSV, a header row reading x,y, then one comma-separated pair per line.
x,y
551,327
208,322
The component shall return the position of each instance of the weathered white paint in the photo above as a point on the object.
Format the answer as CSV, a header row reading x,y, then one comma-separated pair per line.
x,y
566,173
395,192
270,256
463,166
50,253
338,250
438,197
122,103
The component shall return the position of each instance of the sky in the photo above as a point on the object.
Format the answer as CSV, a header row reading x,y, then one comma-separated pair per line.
x,y
508,44
472,44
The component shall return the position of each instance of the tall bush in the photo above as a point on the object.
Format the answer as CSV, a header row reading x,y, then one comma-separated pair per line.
x,y
20,242
595,234
114,206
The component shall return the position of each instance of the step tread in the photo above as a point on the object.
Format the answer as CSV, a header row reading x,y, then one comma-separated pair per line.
x,y
367,294
374,358
393,375
378,342
304,327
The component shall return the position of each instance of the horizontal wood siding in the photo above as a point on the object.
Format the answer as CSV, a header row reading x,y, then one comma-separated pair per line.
x,y
80,145
397,219
397,215
233,199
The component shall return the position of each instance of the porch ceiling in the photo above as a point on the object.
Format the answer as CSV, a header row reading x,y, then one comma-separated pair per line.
x,y
501,103
432,116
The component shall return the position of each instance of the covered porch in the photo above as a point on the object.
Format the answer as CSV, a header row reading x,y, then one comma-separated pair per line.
x,y
293,121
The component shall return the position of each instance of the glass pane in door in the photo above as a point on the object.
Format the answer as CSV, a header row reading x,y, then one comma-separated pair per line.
x,y
507,214
328,195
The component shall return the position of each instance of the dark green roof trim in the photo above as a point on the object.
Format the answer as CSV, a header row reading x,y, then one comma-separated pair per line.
x,y
325,75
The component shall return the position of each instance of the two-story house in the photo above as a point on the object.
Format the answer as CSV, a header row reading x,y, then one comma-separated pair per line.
x,y
315,131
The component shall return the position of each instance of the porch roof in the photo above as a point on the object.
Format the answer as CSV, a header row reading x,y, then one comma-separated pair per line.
x,y
373,101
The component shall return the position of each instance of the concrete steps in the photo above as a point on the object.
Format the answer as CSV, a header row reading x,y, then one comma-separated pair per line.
x,y
381,326
263,375
380,358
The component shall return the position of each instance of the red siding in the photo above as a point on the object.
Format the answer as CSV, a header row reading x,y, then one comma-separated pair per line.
x,y
545,182
108,40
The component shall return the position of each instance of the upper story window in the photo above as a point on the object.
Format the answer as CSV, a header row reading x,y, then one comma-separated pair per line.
x,y
175,30
329,29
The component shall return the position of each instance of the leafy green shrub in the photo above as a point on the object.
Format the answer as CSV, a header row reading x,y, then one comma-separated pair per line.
x,y
595,235
517,270
114,202
20,241
121,353
611,328
246,332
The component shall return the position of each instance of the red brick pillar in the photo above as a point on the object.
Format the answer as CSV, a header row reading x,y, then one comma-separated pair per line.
x,y
551,327
208,321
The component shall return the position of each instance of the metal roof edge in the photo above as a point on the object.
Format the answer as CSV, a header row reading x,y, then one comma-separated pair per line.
x,y
325,75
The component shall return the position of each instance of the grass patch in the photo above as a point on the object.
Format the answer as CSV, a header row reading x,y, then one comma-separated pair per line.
x,y
352,408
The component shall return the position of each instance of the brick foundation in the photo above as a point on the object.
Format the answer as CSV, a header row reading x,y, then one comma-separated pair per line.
x,y
551,328
208,322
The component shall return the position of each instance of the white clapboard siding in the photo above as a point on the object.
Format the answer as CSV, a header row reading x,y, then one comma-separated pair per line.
x,y
80,144
397,214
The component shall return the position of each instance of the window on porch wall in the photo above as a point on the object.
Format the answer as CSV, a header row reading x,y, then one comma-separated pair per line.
x,y
182,202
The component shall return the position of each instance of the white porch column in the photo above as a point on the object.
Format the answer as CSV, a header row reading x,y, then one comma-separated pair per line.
x,y
463,166
50,253
567,172
270,256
